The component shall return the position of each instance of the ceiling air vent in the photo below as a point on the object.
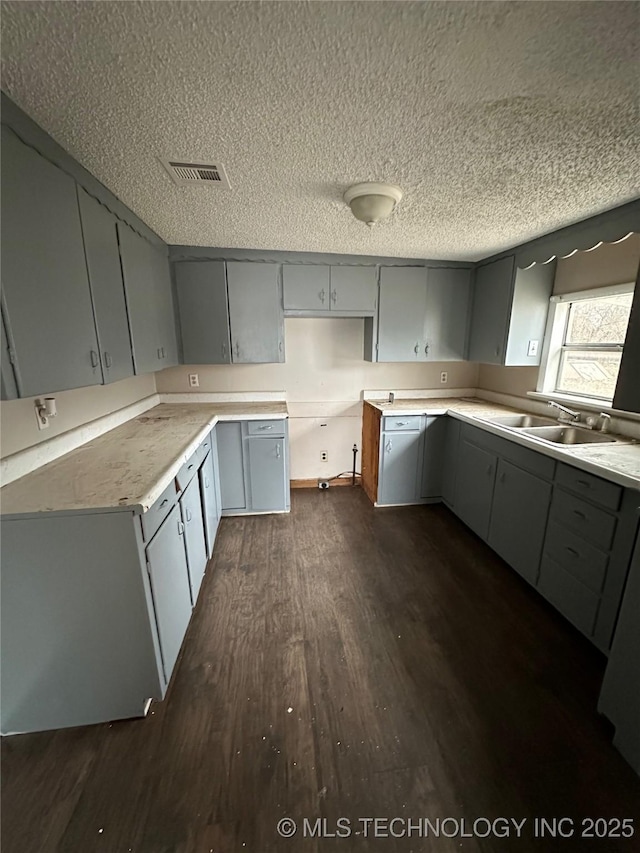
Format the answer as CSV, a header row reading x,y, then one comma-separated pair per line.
x,y
188,174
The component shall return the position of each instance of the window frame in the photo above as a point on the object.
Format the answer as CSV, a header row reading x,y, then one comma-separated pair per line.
x,y
554,341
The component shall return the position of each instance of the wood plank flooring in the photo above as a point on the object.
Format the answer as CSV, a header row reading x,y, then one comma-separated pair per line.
x,y
343,662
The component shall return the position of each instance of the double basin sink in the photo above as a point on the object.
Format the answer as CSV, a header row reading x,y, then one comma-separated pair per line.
x,y
551,431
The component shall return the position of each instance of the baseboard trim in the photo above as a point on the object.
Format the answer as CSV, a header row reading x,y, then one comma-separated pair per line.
x,y
313,483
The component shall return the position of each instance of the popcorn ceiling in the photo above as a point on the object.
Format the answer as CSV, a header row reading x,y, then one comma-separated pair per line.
x,y
500,121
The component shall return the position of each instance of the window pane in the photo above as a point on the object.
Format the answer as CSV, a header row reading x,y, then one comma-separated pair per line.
x,y
589,372
599,321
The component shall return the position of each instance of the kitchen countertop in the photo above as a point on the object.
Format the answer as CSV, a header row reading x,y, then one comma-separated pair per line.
x,y
618,462
130,466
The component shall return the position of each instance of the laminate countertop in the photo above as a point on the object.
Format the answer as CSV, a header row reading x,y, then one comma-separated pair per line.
x,y
618,462
130,466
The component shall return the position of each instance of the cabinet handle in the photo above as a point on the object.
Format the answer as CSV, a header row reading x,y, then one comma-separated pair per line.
x,y
388,446
159,353
189,467
180,528
107,359
277,451
489,469
266,426
188,514
206,482
165,501
280,346
584,483
426,349
580,514
163,352
334,296
95,361
237,350
572,551
321,296
416,349
497,350
401,423
224,350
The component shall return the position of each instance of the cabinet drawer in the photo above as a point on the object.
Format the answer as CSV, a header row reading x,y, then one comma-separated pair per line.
x,y
273,427
582,560
156,514
188,471
408,422
589,521
572,598
588,486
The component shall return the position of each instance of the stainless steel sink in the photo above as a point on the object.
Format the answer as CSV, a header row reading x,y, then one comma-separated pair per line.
x,y
521,421
568,435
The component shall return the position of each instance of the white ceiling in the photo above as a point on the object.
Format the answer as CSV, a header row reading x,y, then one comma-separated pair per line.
x,y
501,121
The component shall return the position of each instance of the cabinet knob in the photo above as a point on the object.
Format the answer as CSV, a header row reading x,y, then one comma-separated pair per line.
x,y
206,482
497,350
95,360
107,359
572,551
159,353
224,350
180,528
416,349
388,446
278,451
321,296
237,350
334,296
189,515
266,426
426,349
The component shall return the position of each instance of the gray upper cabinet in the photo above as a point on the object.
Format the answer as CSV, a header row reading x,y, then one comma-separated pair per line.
x,y
107,290
204,312
306,287
447,313
354,289
49,315
149,302
255,312
509,313
402,313
627,394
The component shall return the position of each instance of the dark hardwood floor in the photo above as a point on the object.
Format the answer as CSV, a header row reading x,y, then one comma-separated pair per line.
x,y
342,662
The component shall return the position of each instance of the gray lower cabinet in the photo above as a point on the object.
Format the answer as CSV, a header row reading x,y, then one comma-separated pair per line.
x,y
476,474
107,289
435,441
210,494
254,466
510,307
399,470
194,535
519,518
47,301
450,460
201,288
169,578
255,312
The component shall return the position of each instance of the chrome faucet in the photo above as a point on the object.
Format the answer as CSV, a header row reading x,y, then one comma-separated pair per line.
x,y
572,416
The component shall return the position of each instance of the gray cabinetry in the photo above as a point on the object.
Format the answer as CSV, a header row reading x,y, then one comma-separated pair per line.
x,y
450,460
255,312
107,290
447,314
149,302
8,387
194,536
267,473
435,439
319,290
353,289
519,518
49,315
306,287
476,474
402,314
399,479
510,307
210,494
167,566
231,463
204,312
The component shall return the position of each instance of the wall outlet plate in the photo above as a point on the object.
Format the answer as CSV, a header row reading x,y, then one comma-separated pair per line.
x,y
323,484
533,348
194,380
444,377
324,456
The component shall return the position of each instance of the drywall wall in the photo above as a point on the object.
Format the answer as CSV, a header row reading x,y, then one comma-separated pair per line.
x,y
323,378
611,263
19,429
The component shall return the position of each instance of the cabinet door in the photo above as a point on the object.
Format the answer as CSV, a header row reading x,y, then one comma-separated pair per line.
x,y
46,292
192,517
107,289
450,460
164,306
216,472
519,518
167,565
267,474
306,287
447,313
435,437
231,465
255,313
142,307
476,474
491,311
210,508
399,460
401,314
204,312
353,289
8,388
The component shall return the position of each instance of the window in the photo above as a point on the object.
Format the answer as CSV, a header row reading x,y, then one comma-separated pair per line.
x,y
584,342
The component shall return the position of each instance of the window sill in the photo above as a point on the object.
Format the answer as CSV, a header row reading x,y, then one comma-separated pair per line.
x,y
587,403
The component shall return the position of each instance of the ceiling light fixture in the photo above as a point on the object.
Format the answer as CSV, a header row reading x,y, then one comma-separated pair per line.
x,y
371,202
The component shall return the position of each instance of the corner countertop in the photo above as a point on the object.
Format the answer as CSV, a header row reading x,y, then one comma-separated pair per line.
x,y
130,466
619,462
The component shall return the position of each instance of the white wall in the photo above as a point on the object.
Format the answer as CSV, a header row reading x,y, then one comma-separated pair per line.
x,y
323,378
75,408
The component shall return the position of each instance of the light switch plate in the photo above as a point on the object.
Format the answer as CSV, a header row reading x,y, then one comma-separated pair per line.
x,y
533,348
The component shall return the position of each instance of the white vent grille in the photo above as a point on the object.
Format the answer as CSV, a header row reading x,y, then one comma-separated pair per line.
x,y
188,174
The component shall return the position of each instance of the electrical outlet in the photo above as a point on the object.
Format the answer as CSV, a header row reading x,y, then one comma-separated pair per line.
x,y
444,376
533,348
194,380
324,456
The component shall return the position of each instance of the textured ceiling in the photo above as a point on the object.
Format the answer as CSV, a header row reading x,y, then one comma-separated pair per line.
x,y
501,121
